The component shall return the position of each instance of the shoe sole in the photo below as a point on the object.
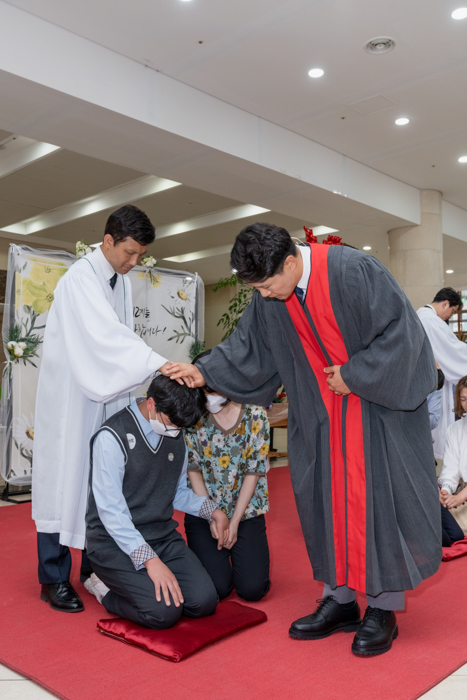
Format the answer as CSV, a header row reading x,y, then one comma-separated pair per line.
x,y
377,651
54,607
344,627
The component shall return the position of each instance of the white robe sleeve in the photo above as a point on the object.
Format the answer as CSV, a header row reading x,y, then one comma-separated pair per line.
x,y
449,351
106,357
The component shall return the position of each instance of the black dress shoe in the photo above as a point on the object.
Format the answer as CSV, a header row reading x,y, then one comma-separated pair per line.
x,y
329,617
62,596
378,629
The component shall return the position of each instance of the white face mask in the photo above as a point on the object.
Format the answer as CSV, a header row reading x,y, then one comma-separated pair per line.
x,y
161,429
215,403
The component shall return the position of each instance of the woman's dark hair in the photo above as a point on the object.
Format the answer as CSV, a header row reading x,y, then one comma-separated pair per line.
x,y
260,251
130,222
184,406
462,384
449,294
207,388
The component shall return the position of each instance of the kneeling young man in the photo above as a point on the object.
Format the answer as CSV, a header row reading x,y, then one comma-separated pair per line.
x,y
143,569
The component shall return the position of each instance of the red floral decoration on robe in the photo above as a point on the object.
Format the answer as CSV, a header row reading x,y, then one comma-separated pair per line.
x,y
309,235
333,240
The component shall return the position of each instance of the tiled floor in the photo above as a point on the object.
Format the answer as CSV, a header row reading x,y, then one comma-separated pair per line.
x,y
15,687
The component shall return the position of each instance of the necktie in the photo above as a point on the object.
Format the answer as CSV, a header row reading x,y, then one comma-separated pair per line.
x,y
113,280
300,294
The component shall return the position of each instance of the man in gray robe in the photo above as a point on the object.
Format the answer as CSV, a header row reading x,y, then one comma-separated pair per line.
x,y
332,325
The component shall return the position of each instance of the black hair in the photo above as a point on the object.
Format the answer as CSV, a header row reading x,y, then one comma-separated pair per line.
x,y
449,294
440,379
184,406
130,222
207,388
260,251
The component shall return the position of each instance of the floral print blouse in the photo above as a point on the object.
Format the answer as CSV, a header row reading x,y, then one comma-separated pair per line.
x,y
225,457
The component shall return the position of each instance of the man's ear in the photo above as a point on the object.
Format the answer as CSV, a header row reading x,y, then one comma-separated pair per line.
x,y
108,241
290,262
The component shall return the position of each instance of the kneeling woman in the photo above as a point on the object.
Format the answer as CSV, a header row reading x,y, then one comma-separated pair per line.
x,y
454,468
227,457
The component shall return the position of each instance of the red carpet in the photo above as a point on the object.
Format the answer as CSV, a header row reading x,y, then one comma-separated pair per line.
x,y
67,655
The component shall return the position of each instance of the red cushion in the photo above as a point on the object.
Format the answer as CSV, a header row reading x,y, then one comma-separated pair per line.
x,y
188,635
458,549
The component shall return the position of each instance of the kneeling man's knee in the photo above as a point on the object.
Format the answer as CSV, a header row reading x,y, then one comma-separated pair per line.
x,y
161,617
205,601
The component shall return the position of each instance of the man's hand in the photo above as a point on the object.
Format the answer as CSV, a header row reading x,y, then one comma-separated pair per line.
x,y
186,372
335,381
220,526
164,370
164,580
232,534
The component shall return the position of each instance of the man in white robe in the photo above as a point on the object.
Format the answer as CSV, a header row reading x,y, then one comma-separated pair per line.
x,y
450,353
92,361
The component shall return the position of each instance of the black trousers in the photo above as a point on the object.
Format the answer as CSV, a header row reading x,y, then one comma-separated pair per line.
x,y
452,531
132,594
55,559
245,566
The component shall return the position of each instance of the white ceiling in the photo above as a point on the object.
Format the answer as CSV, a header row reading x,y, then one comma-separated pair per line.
x,y
255,54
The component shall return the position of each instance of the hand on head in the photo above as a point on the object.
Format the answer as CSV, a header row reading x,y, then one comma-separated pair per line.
x,y
182,371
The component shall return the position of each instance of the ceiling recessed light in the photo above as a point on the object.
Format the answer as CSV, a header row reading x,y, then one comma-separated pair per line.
x,y
402,121
367,247
315,73
461,13
380,44
463,159
449,272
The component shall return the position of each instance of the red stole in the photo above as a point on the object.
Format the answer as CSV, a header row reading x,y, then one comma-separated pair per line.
x,y
347,473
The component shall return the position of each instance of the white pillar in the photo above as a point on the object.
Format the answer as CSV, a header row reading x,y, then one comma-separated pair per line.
x,y
416,252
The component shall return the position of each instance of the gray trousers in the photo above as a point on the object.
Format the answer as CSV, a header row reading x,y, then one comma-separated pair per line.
x,y
132,593
388,600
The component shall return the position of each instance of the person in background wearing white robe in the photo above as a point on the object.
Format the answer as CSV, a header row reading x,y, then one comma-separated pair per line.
x,y
92,361
450,353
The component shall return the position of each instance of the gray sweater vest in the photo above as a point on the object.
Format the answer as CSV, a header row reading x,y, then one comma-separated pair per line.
x,y
149,484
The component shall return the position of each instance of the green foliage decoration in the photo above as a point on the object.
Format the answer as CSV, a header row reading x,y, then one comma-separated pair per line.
x,y
197,347
237,305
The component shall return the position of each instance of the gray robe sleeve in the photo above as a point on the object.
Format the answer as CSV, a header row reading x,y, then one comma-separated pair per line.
x,y
242,367
396,368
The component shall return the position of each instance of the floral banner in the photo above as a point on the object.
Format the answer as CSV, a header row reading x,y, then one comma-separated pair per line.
x,y
168,310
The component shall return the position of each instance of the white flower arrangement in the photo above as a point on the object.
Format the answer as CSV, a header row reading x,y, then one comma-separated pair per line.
x,y
20,346
82,249
148,261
